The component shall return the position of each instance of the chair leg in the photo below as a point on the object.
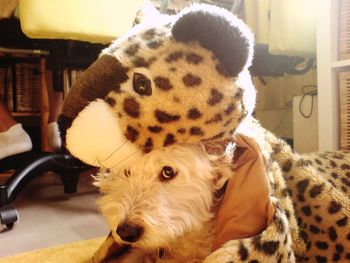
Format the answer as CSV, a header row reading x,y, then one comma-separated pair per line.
x,y
33,165
8,216
70,182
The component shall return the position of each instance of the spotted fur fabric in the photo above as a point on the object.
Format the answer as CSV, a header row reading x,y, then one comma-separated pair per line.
x,y
319,186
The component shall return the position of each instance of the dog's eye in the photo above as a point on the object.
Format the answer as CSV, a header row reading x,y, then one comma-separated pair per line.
x,y
167,173
142,85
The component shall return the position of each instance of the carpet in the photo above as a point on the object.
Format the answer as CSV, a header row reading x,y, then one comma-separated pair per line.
x,y
77,252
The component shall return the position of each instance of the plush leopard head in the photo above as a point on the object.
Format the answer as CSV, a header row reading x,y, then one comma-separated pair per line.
x,y
175,79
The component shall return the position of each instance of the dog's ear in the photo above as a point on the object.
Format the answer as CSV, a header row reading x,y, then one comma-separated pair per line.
x,y
218,148
222,152
220,189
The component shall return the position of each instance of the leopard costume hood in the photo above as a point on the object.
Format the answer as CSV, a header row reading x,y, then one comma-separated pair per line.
x,y
175,79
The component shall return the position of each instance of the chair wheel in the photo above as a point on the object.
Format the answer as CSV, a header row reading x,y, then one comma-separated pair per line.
x,y
8,216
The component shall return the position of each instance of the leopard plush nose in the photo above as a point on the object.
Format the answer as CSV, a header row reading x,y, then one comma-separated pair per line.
x,y
129,232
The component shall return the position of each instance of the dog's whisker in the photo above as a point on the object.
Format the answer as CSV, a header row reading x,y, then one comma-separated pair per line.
x,y
118,148
108,170
101,165
125,179
94,162
124,159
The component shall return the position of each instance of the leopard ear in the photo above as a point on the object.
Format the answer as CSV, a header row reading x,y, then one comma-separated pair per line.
x,y
218,30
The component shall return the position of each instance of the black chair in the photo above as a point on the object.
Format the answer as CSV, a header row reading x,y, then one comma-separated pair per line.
x,y
30,165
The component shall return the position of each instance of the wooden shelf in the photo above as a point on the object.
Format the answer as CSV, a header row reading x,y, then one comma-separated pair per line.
x,y
341,63
25,114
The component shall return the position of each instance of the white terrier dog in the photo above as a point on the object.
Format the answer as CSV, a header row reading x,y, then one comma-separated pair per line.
x,y
162,208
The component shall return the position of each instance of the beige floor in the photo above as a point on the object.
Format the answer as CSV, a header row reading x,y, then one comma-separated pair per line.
x,y
48,217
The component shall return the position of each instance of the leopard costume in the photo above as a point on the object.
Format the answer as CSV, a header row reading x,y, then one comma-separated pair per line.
x,y
185,79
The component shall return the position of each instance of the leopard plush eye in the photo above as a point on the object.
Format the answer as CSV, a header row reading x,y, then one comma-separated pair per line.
x,y
142,85
167,173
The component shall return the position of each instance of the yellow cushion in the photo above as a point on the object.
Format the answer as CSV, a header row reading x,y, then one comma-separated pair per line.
x,y
87,20
78,252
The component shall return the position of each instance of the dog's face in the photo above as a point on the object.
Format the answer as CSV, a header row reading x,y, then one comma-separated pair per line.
x,y
164,195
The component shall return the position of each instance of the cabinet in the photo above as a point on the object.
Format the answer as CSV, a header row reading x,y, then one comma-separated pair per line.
x,y
328,68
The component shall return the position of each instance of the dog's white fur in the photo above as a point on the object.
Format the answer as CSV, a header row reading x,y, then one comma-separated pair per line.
x,y
178,214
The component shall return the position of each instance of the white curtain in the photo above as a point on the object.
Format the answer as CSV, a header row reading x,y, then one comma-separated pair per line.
x,y
256,14
287,26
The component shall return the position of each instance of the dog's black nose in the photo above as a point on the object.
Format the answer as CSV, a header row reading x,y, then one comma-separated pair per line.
x,y
129,232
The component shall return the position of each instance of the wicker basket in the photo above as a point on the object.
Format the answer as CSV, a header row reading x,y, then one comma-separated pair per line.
x,y
27,88
6,90
344,30
344,92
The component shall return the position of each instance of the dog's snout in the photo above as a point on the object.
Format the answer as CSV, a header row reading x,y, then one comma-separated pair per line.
x,y
129,232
